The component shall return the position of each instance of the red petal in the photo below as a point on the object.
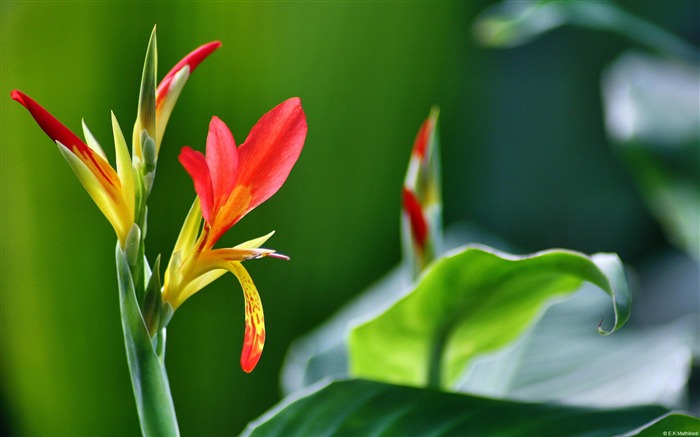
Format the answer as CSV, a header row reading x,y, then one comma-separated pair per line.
x,y
421,142
270,151
49,124
196,165
419,226
252,347
57,131
222,159
193,59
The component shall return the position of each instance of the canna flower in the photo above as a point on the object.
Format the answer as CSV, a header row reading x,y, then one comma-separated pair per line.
x,y
230,182
114,192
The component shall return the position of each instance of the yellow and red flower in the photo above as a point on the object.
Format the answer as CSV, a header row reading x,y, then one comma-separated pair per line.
x,y
231,181
114,191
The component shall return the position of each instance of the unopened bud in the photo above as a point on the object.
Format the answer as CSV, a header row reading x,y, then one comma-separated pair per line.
x,y
131,247
150,153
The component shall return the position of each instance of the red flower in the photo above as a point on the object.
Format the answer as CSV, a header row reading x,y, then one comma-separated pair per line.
x,y
230,182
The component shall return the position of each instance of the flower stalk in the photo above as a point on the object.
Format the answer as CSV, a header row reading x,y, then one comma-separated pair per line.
x,y
122,196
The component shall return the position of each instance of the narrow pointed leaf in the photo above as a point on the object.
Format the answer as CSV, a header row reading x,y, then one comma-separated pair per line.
x,y
474,301
358,407
148,377
146,116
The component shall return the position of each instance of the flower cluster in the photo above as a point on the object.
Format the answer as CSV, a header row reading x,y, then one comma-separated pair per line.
x,y
229,182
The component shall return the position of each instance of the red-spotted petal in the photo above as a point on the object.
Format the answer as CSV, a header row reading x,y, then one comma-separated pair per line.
x,y
254,339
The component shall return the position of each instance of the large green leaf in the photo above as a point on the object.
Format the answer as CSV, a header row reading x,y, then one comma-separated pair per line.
x,y
359,407
472,302
323,352
562,358
668,425
651,113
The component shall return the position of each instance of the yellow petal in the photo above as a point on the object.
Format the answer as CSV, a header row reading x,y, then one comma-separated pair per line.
x,y
255,242
124,167
92,141
190,228
109,200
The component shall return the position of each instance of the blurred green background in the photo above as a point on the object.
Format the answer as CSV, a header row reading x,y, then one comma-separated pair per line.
x,y
524,149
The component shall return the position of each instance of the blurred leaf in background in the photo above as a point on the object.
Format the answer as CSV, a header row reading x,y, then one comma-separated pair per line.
x,y
652,113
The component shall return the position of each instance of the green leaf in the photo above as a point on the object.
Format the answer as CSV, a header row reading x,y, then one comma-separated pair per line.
x,y
472,302
148,377
512,23
323,352
669,425
651,113
560,360
358,407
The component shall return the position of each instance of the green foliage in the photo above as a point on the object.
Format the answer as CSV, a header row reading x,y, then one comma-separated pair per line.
x,y
651,110
472,302
670,424
359,407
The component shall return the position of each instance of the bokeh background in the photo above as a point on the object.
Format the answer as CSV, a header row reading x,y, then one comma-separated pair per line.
x,y
524,147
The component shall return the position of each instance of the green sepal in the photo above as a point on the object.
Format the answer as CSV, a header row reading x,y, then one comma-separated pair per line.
x,y
148,376
150,154
148,162
153,301
132,245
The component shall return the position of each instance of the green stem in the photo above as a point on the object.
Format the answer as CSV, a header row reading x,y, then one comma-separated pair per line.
x,y
148,376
